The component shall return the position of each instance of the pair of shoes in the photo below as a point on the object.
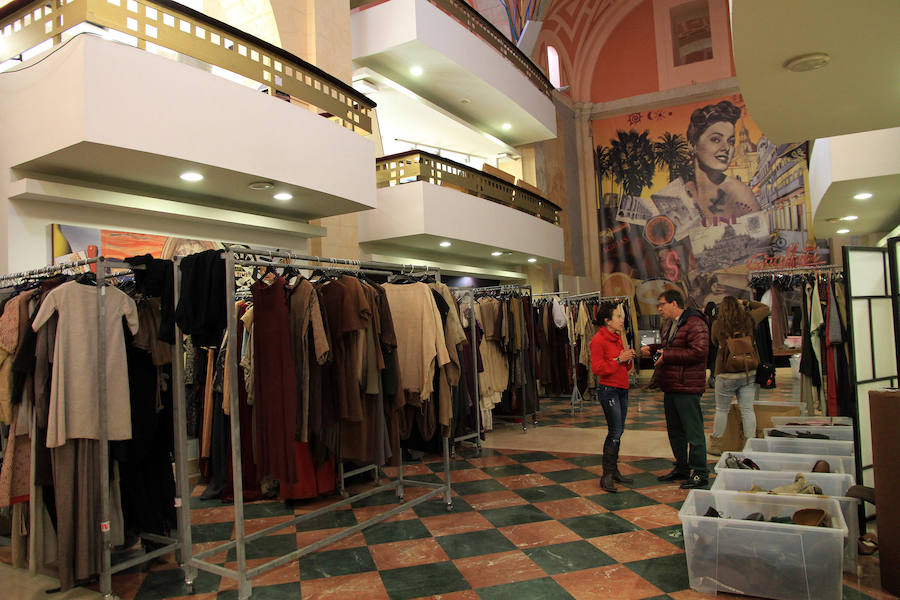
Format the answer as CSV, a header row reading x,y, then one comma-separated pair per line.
x,y
821,466
620,478
711,512
697,480
812,517
714,446
867,544
675,475
791,488
607,482
779,433
735,462
812,436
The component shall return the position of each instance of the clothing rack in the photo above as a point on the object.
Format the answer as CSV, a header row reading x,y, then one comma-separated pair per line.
x,y
522,290
577,398
476,400
103,265
807,269
244,575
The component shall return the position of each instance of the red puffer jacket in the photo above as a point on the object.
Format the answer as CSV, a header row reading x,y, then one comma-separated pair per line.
x,y
683,368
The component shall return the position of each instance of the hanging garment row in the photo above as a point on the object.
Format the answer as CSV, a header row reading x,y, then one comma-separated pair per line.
x,y
54,397
554,361
822,325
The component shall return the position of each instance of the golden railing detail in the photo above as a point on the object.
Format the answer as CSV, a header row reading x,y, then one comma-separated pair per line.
x,y
472,20
418,165
183,30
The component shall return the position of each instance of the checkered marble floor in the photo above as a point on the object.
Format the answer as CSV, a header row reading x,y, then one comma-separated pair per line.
x,y
524,525
645,407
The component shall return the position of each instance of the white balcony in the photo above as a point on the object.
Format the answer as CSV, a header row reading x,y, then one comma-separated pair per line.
x,y
503,96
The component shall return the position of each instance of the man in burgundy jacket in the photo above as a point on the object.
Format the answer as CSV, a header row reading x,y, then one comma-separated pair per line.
x,y
681,373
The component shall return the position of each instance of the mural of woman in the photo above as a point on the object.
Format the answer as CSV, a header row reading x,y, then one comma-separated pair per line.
x,y
712,193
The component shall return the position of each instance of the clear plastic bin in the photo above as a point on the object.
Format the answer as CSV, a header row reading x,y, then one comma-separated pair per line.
x,y
834,485
779,403
759,558
800,446
795,366
786,461
841,434
813,421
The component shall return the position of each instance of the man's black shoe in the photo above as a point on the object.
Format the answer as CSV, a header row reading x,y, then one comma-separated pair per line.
x,y
674,475
697,480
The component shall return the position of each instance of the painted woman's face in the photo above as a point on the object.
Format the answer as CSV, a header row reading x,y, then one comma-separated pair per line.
x,y
715,147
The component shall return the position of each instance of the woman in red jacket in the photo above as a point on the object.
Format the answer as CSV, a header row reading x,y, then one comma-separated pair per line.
x,y
610,362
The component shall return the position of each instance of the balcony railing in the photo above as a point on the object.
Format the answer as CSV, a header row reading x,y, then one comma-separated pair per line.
x,y
25,24
417,165
472,20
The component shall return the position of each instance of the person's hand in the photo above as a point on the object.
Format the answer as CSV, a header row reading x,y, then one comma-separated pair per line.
x,y
626,355
645,351
660,359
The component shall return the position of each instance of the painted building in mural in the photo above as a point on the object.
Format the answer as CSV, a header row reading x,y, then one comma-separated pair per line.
x,y
691,196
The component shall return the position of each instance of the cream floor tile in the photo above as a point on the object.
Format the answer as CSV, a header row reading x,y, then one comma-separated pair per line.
x,y
654,444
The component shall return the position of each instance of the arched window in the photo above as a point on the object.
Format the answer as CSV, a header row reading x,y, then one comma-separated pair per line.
x,y
553,67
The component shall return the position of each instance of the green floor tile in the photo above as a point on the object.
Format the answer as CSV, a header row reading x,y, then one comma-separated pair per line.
x,y
642,480
455,465
596,525
329,520
568,557
396,531
652,464
668,573
426,477
438,507
532,456
475,543
545,493
262,510
507,470
570,475
671,533
482,486
281,591
423,581
270,546
169,583
588,460
535,589
622,500
514,515
212,532
332,563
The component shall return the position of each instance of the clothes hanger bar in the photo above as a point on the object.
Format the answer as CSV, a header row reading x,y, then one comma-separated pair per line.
x,y
550,294
812,269
393,268
259,263
598,296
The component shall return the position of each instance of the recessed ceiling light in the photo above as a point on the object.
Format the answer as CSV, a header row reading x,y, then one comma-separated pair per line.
x,y
192,176
843,231
506,126
445,244
849,218
416,71
283,196
862,196
532,260
496,253
261,186
807,62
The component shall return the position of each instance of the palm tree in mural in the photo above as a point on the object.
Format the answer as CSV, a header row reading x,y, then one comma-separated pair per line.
x,y
631,161
601,167
672,151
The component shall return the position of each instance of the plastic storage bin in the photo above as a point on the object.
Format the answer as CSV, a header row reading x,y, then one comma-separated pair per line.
x,y
782,421
795,366
834,485
759,558
800,446
785,461
842,434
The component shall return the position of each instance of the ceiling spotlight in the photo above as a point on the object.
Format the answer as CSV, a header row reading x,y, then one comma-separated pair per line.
x,y
849,218
496,253
807,62
843,231
445,244
284,196
261,186
506,126
192,176
532,260
862,196
416,71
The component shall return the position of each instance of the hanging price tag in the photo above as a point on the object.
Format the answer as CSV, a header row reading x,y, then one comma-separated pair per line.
x,y
177,502
104,526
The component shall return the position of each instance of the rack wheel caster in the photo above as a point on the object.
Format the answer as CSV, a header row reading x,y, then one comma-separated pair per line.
x,y
189,584
345,494
450,507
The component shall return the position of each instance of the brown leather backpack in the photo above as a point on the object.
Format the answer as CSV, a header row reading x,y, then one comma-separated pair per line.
x,y
740,353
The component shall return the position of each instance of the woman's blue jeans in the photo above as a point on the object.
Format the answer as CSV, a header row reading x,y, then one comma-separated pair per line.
x,y
615,407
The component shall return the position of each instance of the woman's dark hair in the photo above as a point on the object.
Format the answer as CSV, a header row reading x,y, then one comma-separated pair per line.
x,y
604,312
733,317
703,117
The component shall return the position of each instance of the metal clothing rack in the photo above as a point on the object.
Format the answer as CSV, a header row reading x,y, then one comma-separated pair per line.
x,y
577,398
103,265
522,290
244,575
806,269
